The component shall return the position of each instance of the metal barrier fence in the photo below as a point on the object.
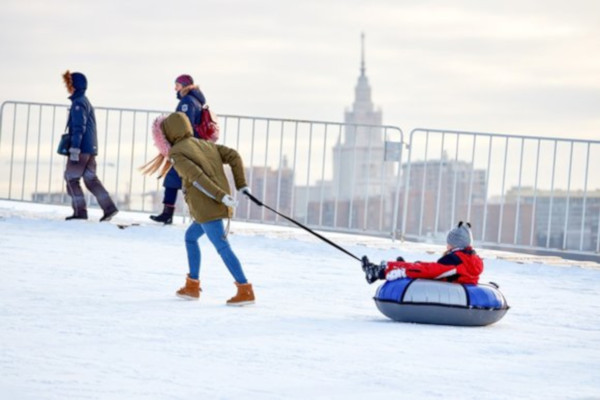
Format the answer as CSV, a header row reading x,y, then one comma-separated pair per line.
x,y
328,175
519,192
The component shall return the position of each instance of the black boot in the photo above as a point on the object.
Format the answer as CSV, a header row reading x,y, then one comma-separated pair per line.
x,y
77,216
373,272
108,214
166,217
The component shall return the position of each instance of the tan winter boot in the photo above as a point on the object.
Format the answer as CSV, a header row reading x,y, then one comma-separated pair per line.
x,y
191,290
244,296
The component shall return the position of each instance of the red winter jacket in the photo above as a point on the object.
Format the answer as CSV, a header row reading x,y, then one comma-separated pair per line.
x,y
457,265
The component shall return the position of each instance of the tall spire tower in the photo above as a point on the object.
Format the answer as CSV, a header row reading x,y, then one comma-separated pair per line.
x,y
358,157
363,112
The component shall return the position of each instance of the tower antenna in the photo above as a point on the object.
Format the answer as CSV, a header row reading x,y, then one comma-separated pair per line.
x,y
362,53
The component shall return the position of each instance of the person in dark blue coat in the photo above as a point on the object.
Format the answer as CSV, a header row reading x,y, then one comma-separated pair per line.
x,y
81,127
191,101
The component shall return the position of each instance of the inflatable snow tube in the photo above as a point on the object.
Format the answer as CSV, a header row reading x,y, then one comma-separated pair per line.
x,y
428,301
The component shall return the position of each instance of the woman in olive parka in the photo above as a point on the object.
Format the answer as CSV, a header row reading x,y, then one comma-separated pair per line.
x,y
200,163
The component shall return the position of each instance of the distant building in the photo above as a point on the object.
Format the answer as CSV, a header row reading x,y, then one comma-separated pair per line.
x,y
516,226
358,159
273,186
562,220
442,192
360,193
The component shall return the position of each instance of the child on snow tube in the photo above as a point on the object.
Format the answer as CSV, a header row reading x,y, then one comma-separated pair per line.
x,y
460,263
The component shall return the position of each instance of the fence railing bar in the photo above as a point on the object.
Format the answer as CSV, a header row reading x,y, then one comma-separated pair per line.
x,y
517,211
471,178
366,195
566,225
322,194
487,189
502,191
548,232
585,194
37,154
423,185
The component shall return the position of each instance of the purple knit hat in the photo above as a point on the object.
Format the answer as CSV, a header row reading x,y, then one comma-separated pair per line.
x,y
184,80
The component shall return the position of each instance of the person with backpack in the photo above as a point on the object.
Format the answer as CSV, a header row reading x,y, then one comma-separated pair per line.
x,y
200,164
191,101
460,263
83,150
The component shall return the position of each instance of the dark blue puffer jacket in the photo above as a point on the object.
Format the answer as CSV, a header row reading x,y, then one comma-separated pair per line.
x,y
191,100
82,118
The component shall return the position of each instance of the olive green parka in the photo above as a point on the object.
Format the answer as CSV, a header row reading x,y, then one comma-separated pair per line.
x,y
200,163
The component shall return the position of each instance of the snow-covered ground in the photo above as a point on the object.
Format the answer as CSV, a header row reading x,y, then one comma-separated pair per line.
x,y
87,311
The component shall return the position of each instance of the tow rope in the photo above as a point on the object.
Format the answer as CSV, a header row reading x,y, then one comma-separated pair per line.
x,y
260,203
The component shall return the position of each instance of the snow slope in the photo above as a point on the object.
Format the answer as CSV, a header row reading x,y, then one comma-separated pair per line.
x,y
88,311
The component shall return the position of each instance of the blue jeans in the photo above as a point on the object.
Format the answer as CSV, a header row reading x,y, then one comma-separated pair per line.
x,y
216,234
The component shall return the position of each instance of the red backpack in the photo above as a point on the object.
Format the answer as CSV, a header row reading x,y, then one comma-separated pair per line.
x,y
208,128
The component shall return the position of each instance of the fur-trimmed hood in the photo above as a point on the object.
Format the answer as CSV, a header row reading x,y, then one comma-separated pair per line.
x,y
166,131
169,129
160,142
176,127
193,91
187,89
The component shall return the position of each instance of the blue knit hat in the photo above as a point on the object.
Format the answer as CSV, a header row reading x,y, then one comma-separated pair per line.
x,y
461,236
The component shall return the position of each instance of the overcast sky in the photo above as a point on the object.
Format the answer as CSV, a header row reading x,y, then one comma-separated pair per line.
x,y
509,66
